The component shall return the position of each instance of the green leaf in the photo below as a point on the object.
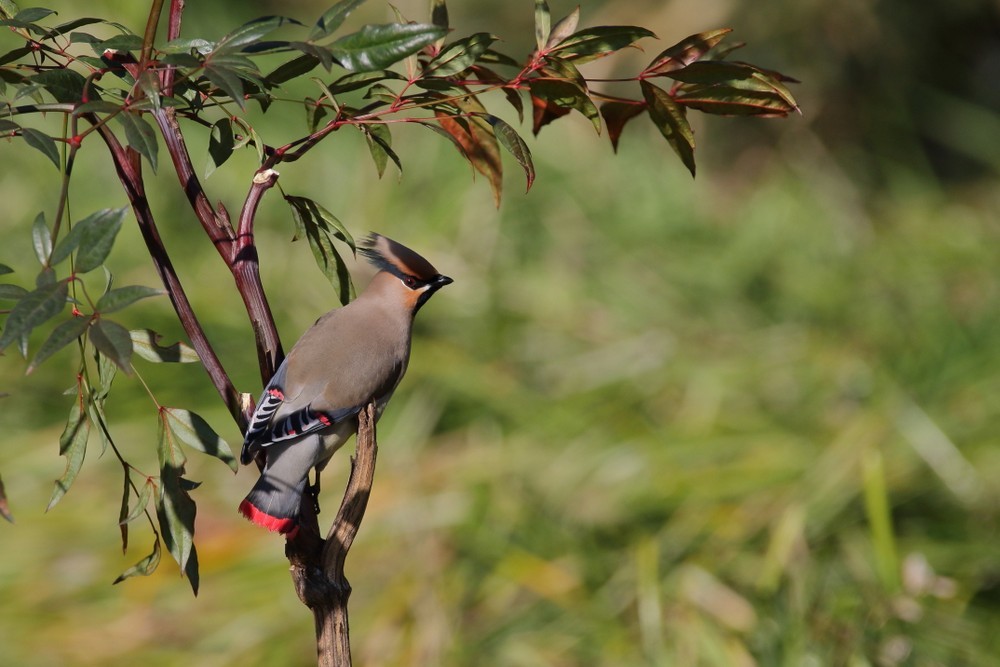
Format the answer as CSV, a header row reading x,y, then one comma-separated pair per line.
x,y
671,121
349,82
596,42
113,341
195,432
332,19
186,45
146,344
41,142
33,309
141,503
618,112
12,292
94,238
250,33
460,55
512,141
41,239
380,146
321,227
439,13
8,9
686,51
65,85
321,54
543,23
33,14
220,145
226,79
293,68
4,269
140,135
64,28
123,43
145,567
61,336
379,46
121,297
72,445
149,83
175,509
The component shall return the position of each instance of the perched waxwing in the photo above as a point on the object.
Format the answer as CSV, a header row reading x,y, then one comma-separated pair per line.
x,y
350,356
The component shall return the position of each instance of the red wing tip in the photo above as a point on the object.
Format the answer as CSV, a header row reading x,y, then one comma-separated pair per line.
x,y
287,527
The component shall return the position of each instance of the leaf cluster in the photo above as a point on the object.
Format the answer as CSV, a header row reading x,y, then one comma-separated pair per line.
x,y
136,95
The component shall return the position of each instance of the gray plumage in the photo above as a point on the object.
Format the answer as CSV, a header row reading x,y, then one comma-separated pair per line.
x,y
348,357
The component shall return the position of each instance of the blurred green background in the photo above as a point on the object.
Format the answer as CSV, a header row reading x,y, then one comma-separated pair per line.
x,y
746,420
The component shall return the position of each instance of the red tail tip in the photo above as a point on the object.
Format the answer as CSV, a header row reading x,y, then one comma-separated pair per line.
x,y
287,527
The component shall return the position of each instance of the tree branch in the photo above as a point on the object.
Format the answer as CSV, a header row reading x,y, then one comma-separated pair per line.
x,y
239,254
317,565
131,180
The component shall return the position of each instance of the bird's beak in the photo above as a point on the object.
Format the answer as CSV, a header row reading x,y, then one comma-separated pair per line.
x,y
441,281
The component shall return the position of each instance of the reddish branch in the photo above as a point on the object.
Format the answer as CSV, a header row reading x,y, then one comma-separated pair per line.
x,y
129,173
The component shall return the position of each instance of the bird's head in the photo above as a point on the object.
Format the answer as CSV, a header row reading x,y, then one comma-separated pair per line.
x,y
418,277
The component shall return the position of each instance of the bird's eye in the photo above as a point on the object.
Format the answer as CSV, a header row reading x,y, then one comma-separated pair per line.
x,y
410,281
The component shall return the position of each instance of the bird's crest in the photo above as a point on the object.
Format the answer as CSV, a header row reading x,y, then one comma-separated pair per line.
x,y
387,255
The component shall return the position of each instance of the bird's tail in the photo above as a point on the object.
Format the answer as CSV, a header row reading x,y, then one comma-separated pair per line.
x,y
274,500
274,506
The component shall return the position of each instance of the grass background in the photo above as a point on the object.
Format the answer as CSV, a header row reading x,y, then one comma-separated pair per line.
x,y
745,420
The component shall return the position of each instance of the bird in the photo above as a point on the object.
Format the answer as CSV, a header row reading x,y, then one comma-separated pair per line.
x,y
351,356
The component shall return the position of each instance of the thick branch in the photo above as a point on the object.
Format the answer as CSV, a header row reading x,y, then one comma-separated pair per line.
x,y
317,565
246,271
239,254
131,180
216,226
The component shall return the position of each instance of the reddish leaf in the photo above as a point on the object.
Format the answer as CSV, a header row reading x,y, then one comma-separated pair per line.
x,y
564,95
618,112
564,28
480,147
686,51
544,112
592,43
736,88
725,101
670,119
